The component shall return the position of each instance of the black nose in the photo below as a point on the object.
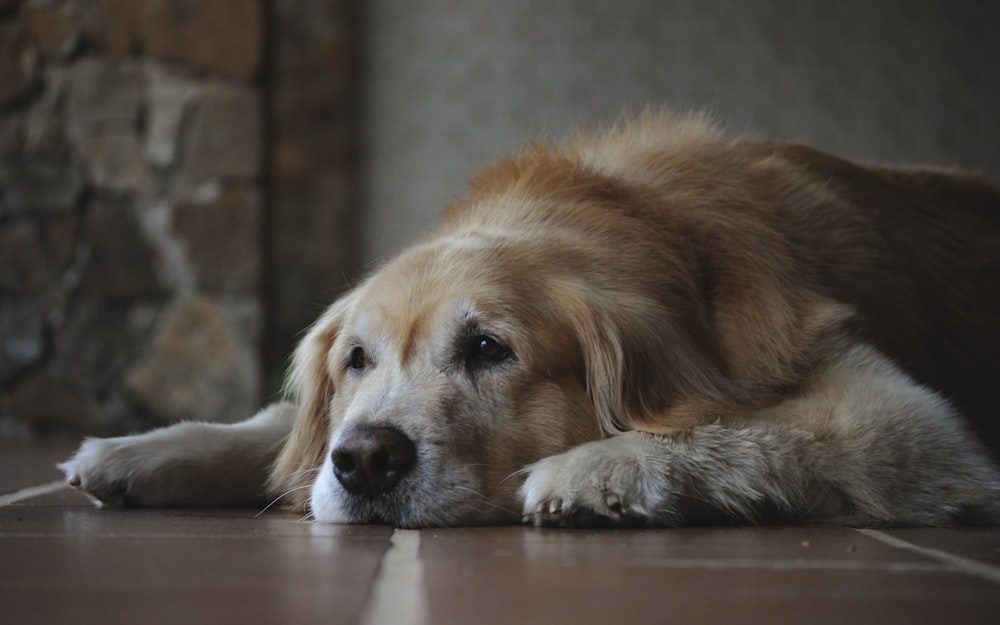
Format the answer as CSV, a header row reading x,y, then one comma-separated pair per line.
x,y
370,461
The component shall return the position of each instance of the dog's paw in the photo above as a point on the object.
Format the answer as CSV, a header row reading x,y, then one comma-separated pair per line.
x,y
621,481
114,471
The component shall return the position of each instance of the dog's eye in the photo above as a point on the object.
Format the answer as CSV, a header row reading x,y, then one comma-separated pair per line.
x,y
357,359
485,350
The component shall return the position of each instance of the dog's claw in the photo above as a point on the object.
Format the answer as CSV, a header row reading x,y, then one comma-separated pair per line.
x,y
613,502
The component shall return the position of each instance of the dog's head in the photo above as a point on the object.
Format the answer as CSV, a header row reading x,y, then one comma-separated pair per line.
x,y
553,306
429,386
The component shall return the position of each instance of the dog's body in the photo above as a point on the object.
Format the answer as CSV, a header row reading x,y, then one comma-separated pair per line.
x,y
657,325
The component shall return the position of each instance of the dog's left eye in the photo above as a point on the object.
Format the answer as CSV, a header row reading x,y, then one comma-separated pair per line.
x,y
357,360
482,350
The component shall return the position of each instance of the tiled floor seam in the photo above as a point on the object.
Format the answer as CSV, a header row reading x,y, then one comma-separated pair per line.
x,y
956,562
398,593
32,491
790,564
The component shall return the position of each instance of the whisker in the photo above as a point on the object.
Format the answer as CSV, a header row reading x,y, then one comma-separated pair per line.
x,y
295,477
481,499
517,473
280,497
305,472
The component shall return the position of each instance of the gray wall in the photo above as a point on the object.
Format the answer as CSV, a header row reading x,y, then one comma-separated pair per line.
x,y
451,84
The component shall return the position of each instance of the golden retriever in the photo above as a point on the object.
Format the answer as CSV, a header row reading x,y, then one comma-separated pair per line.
x,y
652,325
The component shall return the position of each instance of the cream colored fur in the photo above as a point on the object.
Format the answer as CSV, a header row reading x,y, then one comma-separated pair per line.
x,y
694,329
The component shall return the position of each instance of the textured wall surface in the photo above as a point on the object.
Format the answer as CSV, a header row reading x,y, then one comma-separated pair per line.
x,y
179,183
454,83
131,205
176,203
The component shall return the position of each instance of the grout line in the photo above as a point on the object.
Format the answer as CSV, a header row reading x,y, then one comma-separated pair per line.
x,y
795,564
397,595
32,491
965,565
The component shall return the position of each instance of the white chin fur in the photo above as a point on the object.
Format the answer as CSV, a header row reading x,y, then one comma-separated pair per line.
x,y
323,500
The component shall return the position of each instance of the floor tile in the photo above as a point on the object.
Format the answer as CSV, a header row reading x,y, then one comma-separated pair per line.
x,y
86,565
718,544
976,543
765,575
62,560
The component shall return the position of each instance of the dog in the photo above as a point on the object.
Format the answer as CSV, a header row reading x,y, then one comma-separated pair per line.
x,y
654,324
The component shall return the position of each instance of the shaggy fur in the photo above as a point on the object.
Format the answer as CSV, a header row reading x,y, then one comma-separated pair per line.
x,y
653,325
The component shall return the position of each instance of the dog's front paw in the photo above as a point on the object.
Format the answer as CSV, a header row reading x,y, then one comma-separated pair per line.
x,y
621,481
114,471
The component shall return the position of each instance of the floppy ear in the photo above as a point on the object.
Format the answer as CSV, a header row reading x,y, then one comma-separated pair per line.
x,y
640,356
309,383
663,371
603,359
772,336
769,343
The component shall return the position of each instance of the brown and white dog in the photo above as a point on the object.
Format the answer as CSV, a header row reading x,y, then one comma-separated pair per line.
x,y
654,325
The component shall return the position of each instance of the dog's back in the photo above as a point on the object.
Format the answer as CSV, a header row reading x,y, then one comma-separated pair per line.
x,y
914,253
939,314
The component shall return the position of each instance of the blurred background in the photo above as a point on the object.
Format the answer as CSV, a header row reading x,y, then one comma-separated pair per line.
x,y
185,184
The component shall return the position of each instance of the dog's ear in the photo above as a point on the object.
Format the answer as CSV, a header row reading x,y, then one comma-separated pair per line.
x,y
767,343
771,337
312,389
603,357
658,369
639,357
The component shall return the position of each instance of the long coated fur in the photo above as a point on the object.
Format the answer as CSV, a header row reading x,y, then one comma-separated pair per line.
x,y
656,324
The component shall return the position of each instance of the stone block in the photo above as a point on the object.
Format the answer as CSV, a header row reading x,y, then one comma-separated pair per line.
x,y
115,163
203,363
98,340
223,240
59,237
23,267
121,264
11,138
226,134
18,63
37,186
221,36
113,26
45,399
170,98
45,137
104,95
52,28
22,336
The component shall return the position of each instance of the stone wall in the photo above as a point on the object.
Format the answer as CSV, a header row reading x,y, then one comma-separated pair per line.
x,y
132,200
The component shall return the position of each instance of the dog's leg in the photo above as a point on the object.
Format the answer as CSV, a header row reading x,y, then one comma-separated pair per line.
x,y
187,464
863,444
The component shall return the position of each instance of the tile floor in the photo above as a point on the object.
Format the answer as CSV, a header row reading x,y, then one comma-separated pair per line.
x,y
63,561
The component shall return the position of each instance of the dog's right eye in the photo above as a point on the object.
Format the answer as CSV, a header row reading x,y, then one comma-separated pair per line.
x,y
357,360
484,351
